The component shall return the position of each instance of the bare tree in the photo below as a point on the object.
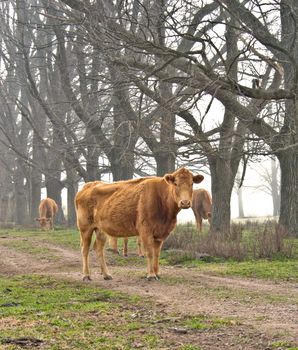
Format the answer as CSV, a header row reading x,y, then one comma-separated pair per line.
x,y
271,183
158,62
197,69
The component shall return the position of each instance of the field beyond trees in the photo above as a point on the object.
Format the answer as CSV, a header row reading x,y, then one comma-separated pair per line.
x,y
220,304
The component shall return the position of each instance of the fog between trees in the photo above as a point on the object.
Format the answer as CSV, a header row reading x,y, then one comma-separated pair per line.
x,y
94,87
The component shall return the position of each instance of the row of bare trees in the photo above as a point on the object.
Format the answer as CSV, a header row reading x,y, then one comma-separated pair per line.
x,y
141,87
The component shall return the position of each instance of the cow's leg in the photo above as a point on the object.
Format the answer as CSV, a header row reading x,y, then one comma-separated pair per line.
x,y
125,246
139,244
99,248
86,236
113,244
157,248
200,220
148,243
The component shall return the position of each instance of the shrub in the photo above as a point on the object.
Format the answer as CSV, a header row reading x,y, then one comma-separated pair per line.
x,y
248,241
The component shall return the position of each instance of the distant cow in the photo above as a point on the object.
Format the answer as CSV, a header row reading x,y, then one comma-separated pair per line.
x,y
201,206
145,207
47,211
114,246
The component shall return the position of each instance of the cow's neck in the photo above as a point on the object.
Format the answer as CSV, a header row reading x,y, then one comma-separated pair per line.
x,y
169,207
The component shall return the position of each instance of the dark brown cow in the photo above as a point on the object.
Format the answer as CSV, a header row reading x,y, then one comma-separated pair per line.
x,y
145,207
47,211
201,206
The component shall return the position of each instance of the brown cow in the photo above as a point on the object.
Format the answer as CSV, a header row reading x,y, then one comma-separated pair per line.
x,y
201,206
47,210
113,240
145,207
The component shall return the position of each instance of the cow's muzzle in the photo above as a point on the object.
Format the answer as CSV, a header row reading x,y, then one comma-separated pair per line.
x,y
184,204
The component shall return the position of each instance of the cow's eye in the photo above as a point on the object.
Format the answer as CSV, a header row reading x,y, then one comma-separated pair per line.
x,y
175,184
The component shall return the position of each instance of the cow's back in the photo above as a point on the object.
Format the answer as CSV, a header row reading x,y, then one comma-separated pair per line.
x,y
201,202
116,206
47,208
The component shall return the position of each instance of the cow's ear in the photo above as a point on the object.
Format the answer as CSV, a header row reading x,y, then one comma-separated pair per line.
x,y
170,179
198,178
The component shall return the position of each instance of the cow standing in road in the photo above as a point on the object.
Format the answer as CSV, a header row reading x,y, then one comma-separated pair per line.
x,y
145,207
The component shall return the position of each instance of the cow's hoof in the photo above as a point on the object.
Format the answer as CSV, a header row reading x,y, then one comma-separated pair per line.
x,y
152,278
108,277
87,279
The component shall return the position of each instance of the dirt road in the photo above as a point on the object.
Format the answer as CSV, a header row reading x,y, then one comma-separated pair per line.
x,y
265,311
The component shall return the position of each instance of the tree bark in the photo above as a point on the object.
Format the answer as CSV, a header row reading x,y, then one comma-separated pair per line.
x,y
289,189
275,190
240,203
21,200
53,178
35,178
221,188
72,189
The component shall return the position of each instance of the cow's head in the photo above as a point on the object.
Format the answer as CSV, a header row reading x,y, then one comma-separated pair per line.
x,y
45,223
181,182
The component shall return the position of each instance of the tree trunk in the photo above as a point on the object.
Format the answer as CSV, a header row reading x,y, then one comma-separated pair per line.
x,y
165,162
21,210
275,188
35,194
53,179
93,153
240,202
221,188
122,165
54,189
289,189
6,194
288,155
124,136
72,189
35,178
225,162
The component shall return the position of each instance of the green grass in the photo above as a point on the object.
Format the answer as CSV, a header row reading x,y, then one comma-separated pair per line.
x,y
279,270
282,345
201,322
60,312
275,270
68,238
71,315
